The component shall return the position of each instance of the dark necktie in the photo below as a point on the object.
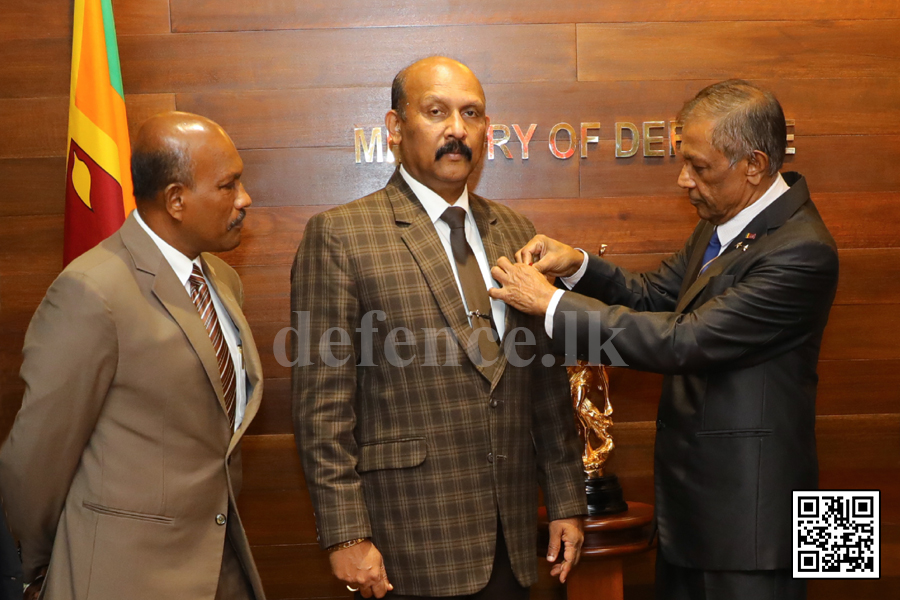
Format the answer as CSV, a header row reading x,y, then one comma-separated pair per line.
x,y
203,301
474,291
712,251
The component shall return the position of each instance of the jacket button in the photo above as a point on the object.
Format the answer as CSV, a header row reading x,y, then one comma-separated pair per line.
x,y
660,425
493,403
220,519
490,457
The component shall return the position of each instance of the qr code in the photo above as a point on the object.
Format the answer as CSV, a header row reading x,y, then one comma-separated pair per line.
x,y
836,534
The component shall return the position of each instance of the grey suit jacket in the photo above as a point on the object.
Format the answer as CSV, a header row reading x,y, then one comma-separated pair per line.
x,y
739,346
423,457
121,456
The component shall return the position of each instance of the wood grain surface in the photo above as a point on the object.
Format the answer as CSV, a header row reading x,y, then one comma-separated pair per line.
x,y
289,81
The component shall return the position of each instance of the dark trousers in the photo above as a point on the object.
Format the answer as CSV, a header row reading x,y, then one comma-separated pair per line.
x,y
680,583
10,565
501,586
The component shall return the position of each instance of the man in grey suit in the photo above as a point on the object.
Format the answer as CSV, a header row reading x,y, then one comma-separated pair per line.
x,y
734,320
423,459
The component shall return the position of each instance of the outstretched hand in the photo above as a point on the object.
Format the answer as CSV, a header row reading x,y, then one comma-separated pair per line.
x,y
524,287
550,257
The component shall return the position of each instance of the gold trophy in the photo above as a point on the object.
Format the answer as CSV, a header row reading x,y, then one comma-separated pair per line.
x,y
589,385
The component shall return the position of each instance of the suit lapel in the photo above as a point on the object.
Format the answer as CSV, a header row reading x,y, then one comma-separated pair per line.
x,y
694,263
171,293
421,238
252,365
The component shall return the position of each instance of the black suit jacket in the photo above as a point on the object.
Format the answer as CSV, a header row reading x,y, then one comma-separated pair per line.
x,y
10,565
739,346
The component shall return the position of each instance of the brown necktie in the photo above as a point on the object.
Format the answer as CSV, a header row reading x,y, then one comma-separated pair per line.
x,y
474,291
202,300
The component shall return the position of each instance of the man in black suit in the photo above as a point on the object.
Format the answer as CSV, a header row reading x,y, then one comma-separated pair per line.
x,y
734,320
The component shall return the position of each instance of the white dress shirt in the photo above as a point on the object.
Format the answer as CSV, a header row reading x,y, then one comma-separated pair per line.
x,y
727,232
435,206
183,267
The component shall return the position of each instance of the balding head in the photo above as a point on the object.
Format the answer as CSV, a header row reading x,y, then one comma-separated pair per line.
x,y
438,123
187,180
161,152
425,68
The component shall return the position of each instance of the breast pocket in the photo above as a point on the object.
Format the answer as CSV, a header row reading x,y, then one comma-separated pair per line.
x,y
392,454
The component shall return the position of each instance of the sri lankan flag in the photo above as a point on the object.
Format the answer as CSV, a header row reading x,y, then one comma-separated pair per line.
x,y
98,170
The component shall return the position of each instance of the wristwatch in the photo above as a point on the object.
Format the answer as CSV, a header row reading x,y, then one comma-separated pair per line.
x,y
347,544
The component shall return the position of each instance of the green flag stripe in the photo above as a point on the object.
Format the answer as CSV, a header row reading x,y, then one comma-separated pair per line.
x,y
112,48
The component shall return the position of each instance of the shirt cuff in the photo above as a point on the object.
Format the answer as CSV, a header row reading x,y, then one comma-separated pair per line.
x,y
573,279
551,310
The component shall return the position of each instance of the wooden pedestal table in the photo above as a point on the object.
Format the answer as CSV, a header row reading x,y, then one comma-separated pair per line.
x,y
607,540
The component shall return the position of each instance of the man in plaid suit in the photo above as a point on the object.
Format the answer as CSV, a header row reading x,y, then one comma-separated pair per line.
x,y
422,454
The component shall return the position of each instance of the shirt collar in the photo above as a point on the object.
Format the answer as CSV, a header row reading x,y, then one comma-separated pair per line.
x,y
434,205
181,264
728,231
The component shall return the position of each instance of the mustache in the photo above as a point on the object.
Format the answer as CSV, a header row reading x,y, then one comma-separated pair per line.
x,y
239,220
454,147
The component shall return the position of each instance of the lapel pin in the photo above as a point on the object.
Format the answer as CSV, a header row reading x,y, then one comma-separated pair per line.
x,y
751,236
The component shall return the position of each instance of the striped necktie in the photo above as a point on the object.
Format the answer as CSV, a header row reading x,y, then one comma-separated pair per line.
x,y
203,301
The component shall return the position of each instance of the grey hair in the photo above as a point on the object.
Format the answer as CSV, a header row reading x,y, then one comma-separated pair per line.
x,y
746,119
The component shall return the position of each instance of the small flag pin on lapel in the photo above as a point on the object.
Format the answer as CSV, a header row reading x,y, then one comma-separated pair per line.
x,y
751,236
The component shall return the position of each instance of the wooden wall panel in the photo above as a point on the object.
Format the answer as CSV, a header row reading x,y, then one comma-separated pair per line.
x,y
869,276
326,116
39,125
33,186
748,49
35,68
289,81
225,15
279,60
24,20
856,333
830,163
39,238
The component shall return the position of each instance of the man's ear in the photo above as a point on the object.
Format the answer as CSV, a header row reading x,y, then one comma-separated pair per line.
x,y
174,199
757,167
392,122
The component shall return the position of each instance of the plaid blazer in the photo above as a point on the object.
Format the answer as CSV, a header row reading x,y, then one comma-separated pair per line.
x,y
422,457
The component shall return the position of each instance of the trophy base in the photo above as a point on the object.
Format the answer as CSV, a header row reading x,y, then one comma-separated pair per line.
x,y
604,496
